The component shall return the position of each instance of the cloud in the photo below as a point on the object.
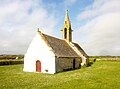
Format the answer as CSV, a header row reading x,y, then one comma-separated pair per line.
x,y
18,21
101,31
98,33
99,7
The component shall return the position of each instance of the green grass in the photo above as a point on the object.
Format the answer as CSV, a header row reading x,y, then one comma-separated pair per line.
x,y
100,75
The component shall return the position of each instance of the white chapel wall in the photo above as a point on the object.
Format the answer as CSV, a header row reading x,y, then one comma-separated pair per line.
x,y
38,50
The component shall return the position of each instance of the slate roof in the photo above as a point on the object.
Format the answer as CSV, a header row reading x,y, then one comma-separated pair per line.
x,y
60,47
80,49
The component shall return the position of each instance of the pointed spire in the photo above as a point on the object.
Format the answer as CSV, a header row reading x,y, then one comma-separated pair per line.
x,y
66,16
67,21
66,29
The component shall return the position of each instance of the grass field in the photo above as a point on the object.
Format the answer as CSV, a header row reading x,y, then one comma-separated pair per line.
x,y
100,75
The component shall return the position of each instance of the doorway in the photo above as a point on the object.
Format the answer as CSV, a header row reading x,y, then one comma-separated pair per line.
x,y
73,63
38,66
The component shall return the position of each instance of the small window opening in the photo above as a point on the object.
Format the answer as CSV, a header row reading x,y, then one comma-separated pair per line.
x,y
65,35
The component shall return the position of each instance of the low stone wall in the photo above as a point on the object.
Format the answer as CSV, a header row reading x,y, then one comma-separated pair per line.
x,y
94,59
108,59
11,62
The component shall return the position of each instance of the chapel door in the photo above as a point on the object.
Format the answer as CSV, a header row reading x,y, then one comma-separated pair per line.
x,y
38,66
73,63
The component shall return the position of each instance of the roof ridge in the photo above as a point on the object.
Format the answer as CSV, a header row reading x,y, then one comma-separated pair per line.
x,y
43,37
53,37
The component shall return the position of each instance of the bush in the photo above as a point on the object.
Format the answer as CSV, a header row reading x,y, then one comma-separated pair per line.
x,y
11,62
9,57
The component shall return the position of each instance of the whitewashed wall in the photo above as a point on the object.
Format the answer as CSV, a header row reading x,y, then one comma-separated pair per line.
x,y
38,50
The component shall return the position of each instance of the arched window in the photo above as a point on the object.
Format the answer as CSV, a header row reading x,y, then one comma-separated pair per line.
x,y
65,35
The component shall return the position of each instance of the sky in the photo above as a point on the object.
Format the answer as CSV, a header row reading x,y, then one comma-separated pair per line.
x,y
95,24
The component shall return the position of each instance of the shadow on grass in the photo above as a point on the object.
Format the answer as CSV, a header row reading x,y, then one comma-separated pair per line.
x,y
68,70
91,63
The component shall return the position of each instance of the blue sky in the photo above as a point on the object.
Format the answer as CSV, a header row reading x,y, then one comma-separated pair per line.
x,y
95,23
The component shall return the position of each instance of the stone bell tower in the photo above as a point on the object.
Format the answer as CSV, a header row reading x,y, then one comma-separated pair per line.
x,y
66,29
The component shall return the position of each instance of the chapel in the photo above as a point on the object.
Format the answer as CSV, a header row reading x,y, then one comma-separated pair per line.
x,y
48,54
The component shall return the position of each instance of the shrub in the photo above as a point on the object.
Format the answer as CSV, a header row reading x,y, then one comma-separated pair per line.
x,y
11,62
